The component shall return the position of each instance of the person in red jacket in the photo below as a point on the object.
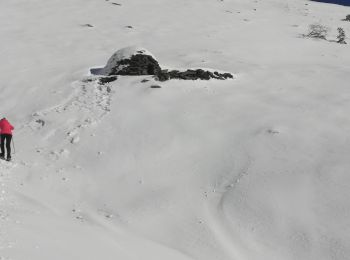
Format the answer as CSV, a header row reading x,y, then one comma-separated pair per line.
x,y
5,137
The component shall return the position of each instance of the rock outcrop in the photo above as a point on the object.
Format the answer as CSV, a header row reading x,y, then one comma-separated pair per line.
x,y
131,61
134,61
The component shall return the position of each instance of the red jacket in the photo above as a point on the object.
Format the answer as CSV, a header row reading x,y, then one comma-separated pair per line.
x,y
5,127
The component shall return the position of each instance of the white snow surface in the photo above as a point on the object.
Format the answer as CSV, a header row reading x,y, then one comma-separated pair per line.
x,y
253,168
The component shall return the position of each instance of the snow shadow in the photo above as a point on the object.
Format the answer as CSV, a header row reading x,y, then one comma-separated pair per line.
x,y
96,71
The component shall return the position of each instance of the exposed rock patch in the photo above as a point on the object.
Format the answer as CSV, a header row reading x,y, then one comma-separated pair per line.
x,y
192,74
104,80
138,64
133,61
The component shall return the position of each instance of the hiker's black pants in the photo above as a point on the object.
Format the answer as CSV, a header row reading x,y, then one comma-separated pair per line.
x,y
6,138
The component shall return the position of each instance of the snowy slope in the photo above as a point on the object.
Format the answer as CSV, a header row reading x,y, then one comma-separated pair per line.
x,y
246,169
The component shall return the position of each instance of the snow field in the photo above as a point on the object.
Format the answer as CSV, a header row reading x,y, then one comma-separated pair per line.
x,y
254,168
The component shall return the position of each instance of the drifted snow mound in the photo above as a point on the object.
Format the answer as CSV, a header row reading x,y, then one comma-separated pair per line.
x,y
131,61
135,61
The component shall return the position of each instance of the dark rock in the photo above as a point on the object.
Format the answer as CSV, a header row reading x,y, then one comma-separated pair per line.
x,y
105,80
144,80
87,25
40,122
87,80
156,86
129,27
163,75
138,64
192,75
227,75
135,61
116,4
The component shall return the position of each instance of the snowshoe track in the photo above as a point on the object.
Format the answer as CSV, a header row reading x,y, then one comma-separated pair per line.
x,y
7,205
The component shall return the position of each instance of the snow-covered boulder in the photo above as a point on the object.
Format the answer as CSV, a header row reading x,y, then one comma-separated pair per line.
x,y
131,61
135,61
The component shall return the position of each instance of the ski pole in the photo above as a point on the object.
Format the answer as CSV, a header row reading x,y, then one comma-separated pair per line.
x,y
13,145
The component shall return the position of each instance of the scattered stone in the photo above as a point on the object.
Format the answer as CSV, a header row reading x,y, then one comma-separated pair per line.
x,y
75,140
87,80
347,18
190,74
144,80
80,217
272,131
156,86
87,25
104,80
129,27
116,4
40,122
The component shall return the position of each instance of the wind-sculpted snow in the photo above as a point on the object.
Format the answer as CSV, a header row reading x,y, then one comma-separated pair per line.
x,y
133,168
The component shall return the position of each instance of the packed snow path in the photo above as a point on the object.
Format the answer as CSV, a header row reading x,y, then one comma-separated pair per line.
x,y
85,108
7,205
